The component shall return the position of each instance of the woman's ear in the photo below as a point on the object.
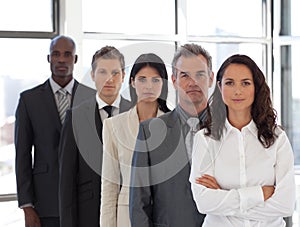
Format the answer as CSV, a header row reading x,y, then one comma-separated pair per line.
x,y
219,85
132,82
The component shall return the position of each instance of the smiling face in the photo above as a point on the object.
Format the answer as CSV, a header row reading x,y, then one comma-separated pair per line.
x,y
237,88
108,77
148,84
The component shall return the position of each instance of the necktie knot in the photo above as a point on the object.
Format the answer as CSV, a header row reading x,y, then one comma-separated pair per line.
x,y
62,92
193,122
108,110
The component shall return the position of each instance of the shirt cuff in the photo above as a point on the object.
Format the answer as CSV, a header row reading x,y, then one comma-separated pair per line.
x,y
26,205
250,197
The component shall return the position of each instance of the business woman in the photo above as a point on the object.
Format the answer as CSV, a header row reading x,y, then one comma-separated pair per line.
x,y
243,165
148,91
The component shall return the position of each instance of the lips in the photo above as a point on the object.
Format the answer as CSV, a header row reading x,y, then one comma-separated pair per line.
x,y
237,100
61,68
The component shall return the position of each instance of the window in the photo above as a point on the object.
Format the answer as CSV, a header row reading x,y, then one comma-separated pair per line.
x,y
129,17
219,18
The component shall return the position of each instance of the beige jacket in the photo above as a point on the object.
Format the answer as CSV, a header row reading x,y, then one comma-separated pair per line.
x,y
119,137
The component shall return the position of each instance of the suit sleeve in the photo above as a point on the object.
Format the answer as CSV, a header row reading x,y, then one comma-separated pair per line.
x,y
23,145
140,198
110,177
68,158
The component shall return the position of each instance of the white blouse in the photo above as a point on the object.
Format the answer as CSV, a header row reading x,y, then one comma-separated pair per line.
x,y
241,166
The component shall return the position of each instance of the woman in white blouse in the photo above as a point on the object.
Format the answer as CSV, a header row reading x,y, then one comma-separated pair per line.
x,y
243,165
148,92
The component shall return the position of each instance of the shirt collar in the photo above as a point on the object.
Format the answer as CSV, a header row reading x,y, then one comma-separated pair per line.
x,y
101,103
251,126
55,86
183,115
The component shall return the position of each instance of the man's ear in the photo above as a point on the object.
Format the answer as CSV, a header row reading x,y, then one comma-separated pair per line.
x,y
92,75
174,81
48,58
211,79
76,58
123,75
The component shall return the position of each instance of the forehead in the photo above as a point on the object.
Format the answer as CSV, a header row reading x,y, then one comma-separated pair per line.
x,y
192,63
108,63
237,71
148,71
62,45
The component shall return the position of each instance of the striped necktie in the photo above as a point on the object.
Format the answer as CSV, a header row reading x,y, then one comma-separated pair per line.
x,y
63,104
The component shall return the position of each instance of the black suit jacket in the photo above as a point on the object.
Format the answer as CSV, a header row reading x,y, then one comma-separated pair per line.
x,y
80,165
161,192
38,127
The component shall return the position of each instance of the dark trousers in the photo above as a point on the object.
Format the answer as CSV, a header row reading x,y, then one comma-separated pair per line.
x,y
50,222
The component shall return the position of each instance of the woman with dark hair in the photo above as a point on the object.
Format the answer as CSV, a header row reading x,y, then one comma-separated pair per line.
x,y
148,90
243,165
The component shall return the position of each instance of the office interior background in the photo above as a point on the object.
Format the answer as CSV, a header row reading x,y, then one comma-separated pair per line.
x,y
266,30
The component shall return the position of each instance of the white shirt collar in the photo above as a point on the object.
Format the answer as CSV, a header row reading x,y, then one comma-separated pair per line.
x,y
55,86
101,103
251,126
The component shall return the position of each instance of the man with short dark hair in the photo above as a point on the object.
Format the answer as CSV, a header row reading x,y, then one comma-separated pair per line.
x,y
81,142
39,118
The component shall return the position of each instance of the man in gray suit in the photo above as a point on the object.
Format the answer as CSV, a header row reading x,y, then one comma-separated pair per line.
x,y
80,151
38,126
160,193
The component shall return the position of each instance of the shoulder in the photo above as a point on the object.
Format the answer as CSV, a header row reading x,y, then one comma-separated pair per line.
x,y
34,90
125,104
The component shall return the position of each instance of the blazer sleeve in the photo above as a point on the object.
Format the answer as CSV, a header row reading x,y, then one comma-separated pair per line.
x,y
110,177
140,198
23,162
68,158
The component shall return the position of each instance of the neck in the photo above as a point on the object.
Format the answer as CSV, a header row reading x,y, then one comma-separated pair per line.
x,y
239,120
193,110
108,99
62,80
146,110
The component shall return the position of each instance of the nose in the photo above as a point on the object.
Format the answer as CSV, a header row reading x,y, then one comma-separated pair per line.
x,y
192,81
238,90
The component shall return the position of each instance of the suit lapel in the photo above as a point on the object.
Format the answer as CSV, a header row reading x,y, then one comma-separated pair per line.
x,y
47,97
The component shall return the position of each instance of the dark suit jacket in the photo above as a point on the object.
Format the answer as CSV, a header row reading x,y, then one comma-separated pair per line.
x,y
80,165
38,126
161,192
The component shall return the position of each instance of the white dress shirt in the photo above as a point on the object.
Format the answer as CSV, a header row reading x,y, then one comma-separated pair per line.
x,y
115,105
241,166
55,87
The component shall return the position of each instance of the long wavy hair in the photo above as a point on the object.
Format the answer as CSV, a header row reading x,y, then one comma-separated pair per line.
x,y
262,112
153,61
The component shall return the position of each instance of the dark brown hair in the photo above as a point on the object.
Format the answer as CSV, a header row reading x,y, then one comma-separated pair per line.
x,y
262,112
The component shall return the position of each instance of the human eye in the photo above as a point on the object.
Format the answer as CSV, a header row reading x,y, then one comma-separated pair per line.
x,y
115,73
156,80
246,83
184,75
68,54
229,83
55,54
102,72
200,74
142,79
